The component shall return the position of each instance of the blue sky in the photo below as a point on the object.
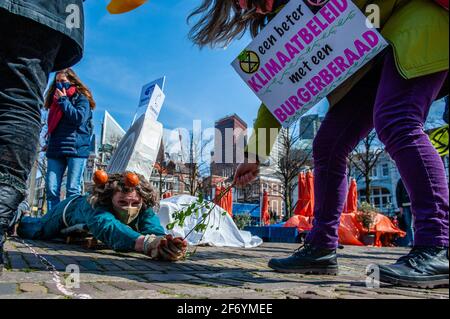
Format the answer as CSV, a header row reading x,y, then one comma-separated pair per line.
x,y
123,52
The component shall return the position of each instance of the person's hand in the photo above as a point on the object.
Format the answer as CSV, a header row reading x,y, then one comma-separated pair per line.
x,y
162,247
173,249
246,173
59,93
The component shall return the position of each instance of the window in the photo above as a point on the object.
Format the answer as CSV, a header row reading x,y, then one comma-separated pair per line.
x,y
374,172
385,170
381,198
275,189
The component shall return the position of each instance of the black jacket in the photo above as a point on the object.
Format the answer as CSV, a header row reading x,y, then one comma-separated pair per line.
x,y
402,195
57,15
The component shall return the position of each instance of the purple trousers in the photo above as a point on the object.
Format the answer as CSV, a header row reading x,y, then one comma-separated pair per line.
x,y
397,108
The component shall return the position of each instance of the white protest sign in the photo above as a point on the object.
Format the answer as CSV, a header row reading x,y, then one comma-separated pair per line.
x,y
305,52
138,149
151,99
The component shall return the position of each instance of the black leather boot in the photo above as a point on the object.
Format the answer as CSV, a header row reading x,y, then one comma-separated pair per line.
x,y
308,260
10,199
423,267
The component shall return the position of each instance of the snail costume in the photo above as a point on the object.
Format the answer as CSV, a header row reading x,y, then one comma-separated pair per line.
x,y
118,212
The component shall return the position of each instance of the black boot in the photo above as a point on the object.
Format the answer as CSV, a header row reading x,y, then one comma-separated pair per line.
x,y
308,260
423,267
10,199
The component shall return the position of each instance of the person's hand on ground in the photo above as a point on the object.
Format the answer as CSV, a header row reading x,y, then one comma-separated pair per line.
x,y
162,247
246,173
173,249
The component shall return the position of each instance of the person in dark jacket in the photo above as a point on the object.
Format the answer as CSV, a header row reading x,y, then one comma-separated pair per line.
x,y
37,37
404,204
70,130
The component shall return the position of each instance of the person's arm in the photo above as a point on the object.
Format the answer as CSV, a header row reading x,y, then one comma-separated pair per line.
x,y
112,232
266,129
149,224
76,113
265,132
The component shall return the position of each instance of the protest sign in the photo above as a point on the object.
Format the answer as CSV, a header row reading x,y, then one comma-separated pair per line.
x,y
151,99
305,52
138,149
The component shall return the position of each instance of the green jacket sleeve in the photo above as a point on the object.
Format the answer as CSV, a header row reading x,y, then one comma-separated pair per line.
x,y
265,131
149,224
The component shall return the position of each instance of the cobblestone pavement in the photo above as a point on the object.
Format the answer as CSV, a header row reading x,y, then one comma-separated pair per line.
x,y
37,269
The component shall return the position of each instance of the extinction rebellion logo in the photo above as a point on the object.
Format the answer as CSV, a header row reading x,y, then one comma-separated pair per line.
x,y
249,61
315,5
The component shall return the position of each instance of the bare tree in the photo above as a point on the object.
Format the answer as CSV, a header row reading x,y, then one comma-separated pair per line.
x,y
364,158
294,155
197,166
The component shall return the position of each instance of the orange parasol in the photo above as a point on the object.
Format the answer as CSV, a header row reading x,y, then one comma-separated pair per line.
x,y
226,200
301,222
265,216
310,193
352,197
301,189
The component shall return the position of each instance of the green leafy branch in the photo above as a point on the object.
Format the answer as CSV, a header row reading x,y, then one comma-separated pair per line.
x,y
202,208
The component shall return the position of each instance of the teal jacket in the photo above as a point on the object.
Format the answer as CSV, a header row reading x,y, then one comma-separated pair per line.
x,y
101,222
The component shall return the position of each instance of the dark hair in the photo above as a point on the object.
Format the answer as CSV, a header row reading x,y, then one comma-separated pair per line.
x,y
74,80
101,195
222,21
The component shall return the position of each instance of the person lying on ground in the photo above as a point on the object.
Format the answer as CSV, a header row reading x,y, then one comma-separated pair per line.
x,y
118,212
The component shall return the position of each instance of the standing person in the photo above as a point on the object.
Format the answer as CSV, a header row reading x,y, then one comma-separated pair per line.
x,y
404,204
394,98
70,130
37,37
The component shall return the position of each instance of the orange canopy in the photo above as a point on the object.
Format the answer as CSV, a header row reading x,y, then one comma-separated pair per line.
x,y
305,203
310,189
229,202
352,197
301,222
265,216
349,230
226,202
167,195
302,199
384,226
